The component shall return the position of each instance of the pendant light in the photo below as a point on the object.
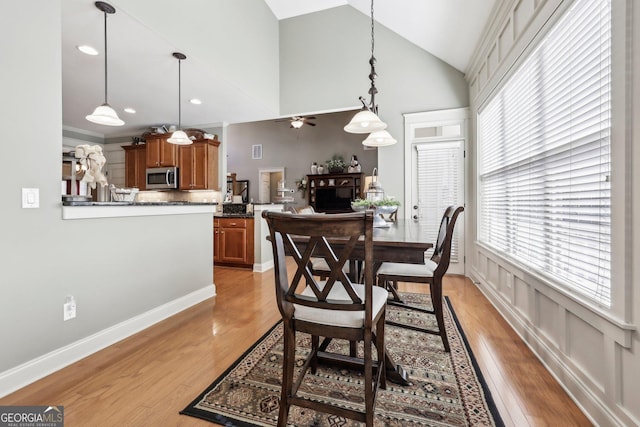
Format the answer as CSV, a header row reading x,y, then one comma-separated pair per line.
x,y
379,138
179,137
367,120
104,114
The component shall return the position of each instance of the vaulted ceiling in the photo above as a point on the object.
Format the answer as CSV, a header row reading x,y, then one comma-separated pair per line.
x,y
141,73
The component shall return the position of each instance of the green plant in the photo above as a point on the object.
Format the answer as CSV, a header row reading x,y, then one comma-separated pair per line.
x,y
336,162
383,202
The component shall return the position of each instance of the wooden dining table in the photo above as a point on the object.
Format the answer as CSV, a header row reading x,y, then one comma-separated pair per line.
x,y
402,241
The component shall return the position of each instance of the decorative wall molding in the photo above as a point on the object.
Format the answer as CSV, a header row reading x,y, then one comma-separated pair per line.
x,y
592,352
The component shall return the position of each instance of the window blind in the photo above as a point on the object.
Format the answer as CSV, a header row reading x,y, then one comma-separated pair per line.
x,y
438,170
544,156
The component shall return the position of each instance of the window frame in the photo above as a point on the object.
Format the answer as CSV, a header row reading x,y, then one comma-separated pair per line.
x,y
620,311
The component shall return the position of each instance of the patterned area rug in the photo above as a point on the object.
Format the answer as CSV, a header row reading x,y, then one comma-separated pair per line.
x,y
447,389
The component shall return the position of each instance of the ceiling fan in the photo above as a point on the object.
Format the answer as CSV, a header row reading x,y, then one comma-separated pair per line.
x,y
297,121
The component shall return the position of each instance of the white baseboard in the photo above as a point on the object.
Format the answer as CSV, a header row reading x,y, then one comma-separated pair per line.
x,y
261,268
38,368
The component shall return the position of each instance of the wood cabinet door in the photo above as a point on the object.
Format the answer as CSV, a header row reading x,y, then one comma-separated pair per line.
x,y
135,165
216,242
233,245
153,152
168,153
160,152
185,167
200,166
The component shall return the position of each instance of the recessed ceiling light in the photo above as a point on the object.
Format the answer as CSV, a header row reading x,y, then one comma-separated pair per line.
x,y
195,101
87,49
129,110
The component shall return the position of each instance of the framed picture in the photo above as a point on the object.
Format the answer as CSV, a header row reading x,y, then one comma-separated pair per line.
x,y
256,152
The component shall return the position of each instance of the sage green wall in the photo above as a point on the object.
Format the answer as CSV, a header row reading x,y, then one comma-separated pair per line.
x,y
293,149
117,268
324,66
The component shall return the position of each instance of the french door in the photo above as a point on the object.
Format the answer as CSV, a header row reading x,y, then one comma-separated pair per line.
x,y
435,157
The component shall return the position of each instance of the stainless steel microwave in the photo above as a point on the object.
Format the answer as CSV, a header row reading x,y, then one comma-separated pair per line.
x,y
162,178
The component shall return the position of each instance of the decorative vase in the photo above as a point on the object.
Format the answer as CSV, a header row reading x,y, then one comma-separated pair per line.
x,y
314,168
320,169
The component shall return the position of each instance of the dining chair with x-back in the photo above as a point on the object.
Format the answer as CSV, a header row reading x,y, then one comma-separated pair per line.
x,y
431,273
334,308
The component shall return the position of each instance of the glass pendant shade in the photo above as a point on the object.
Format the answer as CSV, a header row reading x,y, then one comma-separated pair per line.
x,y
365,122
380,138
179,137
297,124
105,115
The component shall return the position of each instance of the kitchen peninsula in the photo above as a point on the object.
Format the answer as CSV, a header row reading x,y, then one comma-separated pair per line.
x,y
124,209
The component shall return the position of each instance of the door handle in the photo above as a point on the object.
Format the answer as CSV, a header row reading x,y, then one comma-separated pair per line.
x,y
415,217
415,207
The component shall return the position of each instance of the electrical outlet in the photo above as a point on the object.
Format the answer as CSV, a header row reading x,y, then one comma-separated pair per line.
x,y
69,308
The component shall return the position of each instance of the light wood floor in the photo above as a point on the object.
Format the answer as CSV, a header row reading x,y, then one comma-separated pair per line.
x,y
147,379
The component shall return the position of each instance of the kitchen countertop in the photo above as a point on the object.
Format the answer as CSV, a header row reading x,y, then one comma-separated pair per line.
x,y
159,203
232,215
88,210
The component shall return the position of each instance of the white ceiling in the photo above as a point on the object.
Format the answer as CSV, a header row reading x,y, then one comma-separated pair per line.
x,y
144,75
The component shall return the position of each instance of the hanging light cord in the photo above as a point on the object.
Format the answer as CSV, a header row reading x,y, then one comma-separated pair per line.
x,y
105,57
179,95
372,75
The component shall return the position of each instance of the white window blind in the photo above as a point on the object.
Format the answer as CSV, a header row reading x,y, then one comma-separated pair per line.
x,y
544,161
438,165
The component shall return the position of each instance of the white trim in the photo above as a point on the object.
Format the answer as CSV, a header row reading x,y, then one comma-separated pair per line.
x,y
33,370
262,267
83,131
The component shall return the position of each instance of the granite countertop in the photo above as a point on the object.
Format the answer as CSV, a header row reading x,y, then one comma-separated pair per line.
x,y
232,215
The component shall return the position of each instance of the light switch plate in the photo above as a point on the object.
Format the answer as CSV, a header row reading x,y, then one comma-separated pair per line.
x,y
30,198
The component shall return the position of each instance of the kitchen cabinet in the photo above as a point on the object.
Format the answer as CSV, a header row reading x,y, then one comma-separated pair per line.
x,y
160,152
334,192
135,166
198,165
233,242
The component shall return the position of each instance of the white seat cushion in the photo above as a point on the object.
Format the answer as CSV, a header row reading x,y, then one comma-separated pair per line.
x,y
403,269
349,319
320,264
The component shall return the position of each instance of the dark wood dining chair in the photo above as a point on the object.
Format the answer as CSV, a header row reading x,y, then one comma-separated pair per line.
x,y
332,309
431,273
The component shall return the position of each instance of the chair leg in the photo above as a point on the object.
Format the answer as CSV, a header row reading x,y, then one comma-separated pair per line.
x,y
368,380
288,362
315,342
392,287
381,349
436,301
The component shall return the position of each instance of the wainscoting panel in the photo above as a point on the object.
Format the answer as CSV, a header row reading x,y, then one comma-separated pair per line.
x,y
585,352
548,315
586,347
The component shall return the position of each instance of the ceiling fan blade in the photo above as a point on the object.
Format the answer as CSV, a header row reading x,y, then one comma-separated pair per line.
x,y
310,117
310,124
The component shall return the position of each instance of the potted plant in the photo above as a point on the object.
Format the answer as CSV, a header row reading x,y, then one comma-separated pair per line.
x,y
336,164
